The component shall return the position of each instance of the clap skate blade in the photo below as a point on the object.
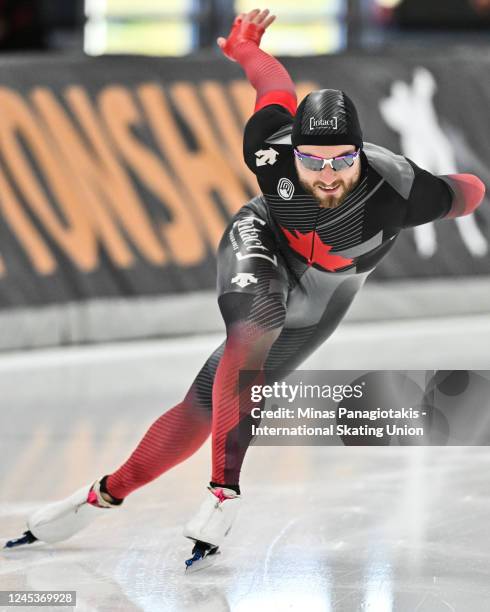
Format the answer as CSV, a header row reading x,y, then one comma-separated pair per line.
x,y
203,555
27,538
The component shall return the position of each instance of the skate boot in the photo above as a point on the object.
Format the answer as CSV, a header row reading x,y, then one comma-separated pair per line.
x,y
209,527
63,519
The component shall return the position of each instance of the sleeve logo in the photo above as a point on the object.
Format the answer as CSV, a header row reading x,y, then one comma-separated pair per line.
x,y
285,188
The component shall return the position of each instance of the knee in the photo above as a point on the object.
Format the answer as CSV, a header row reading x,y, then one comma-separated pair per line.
x,y
262,314
253,323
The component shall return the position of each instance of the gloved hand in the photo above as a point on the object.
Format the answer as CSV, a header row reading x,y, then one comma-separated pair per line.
x,y
246,27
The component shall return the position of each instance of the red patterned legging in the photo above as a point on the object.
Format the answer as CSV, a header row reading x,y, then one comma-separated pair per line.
x,y
211,404
259,339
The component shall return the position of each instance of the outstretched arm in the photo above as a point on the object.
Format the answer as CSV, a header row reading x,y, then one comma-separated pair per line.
x,y
268,76
441,197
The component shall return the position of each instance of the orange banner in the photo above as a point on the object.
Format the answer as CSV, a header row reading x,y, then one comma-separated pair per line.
x,y
148,171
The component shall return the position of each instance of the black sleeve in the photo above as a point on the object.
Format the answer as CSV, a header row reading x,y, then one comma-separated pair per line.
x,y
261,126
430,198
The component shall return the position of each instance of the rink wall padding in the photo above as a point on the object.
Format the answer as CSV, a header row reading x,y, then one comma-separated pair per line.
x,y
118,176
119,319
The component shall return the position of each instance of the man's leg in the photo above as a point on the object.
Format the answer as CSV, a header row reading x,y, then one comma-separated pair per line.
x,y
253,321
254,316
249,340
258,338
315,308
172,438
253,289
253,284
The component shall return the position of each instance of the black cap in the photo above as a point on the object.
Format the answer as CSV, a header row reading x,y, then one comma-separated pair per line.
x,y
326,117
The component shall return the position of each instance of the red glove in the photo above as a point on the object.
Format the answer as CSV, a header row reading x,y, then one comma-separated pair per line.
x,y
241,31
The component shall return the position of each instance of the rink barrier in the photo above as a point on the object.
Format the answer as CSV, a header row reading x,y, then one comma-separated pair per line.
x,y
119,319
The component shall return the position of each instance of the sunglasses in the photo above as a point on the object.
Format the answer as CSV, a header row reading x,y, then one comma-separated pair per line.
x,y
311,162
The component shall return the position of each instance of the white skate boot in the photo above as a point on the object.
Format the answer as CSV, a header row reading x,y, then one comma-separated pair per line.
x,y
63,519
209,527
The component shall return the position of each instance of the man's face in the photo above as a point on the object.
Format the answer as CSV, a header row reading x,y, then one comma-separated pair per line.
x,y
320,184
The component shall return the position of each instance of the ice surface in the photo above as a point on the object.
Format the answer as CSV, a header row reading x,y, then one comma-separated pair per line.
x,y
322,529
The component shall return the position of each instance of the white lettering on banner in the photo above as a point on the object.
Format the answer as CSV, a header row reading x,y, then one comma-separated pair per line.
x,y
424,142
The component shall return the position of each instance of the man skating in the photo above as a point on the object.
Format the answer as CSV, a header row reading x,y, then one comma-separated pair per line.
x,y
289,265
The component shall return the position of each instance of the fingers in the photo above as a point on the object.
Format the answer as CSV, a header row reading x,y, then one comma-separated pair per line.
x,y
221,41
258,17
251,15
264,19
261,16
268,21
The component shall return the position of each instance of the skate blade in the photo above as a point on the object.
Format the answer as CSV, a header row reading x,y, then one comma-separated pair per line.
x,y
203,556
27,538
193,566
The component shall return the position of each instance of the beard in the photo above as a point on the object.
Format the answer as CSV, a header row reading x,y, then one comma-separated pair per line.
x,y
324,199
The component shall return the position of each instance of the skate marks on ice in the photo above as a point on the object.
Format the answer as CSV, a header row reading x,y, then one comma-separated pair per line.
x,y
337,529
388,529
374,536
117,565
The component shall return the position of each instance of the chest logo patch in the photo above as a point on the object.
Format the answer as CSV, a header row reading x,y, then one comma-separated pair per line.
x,y
266,156
285,188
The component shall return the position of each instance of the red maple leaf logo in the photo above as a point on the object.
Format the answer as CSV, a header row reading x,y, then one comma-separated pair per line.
x,y
314,250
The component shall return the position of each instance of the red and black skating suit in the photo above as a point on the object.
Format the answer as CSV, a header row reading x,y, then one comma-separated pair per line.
x,y
288,271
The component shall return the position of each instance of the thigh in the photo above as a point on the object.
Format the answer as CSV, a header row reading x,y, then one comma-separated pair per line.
x,y
315,308
202,387
252,286
253,280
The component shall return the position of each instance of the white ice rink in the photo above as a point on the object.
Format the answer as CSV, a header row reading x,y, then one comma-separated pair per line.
x,y
322,529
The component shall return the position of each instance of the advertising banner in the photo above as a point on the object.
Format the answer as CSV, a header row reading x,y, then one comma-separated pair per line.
x,y
119,175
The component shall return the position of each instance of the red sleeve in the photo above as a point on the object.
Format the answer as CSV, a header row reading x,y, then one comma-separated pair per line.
x,y
468,193
268,76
